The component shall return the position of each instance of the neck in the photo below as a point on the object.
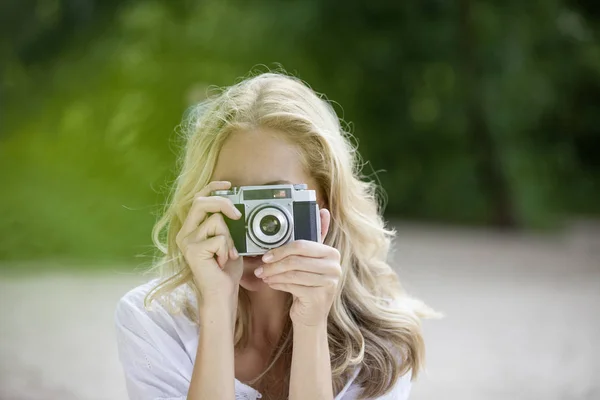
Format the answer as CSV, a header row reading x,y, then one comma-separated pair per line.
x,y
269,314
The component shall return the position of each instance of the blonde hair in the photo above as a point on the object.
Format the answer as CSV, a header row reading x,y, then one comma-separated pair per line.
x,y
372,322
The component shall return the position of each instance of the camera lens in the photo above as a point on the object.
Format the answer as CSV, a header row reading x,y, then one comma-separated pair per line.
x,y
270,225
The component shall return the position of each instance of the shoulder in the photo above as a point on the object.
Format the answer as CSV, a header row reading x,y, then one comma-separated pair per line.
x,y
135,296
131,313
132,302
155,347
399,391
402,387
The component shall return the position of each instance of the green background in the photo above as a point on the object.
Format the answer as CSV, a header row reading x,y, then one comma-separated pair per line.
x,y
468,112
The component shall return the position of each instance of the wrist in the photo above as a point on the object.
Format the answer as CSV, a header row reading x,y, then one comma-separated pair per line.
x,y
219,309
216,306
219,298
318,327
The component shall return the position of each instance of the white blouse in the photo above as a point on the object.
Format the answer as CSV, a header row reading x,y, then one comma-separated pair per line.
x,y
157,351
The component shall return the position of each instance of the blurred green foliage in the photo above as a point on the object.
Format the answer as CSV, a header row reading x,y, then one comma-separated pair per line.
x,y
476,112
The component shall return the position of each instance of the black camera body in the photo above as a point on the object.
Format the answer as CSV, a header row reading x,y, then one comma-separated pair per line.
x,y
272,215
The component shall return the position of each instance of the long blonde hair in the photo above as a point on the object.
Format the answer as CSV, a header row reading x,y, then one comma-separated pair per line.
x,y
372,323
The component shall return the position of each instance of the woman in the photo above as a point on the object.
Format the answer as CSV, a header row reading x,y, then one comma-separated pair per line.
x,y
308,320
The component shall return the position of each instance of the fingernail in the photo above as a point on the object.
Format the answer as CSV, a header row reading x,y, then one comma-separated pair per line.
x,y
238,213
258,271
267,257
235,252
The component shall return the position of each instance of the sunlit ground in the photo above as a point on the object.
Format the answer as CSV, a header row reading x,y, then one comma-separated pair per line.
x,y
521,319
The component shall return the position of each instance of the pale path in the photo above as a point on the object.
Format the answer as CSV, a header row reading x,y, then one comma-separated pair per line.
x,y
522,321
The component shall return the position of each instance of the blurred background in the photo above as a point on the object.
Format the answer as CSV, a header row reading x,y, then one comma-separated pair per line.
x,y
479,118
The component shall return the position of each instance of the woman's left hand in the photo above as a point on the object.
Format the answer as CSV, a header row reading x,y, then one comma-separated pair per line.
x,y
311,272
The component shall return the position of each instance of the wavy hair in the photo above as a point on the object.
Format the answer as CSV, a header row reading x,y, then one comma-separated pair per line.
x,y
373,323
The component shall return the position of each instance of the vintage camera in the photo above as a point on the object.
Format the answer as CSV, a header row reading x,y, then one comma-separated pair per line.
x,y
272,215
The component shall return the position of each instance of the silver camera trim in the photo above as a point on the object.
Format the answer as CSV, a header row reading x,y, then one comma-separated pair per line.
x,y
299,193
255,232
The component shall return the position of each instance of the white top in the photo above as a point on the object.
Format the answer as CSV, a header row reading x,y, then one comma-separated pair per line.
x,y
158,349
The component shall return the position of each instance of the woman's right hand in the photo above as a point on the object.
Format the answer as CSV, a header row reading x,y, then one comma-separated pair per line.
x,y
207,246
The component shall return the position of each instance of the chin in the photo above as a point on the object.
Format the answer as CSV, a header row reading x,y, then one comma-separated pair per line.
x,y
249,281
252,283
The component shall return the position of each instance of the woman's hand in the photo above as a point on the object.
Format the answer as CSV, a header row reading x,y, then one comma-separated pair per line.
x,y
207,246
310,271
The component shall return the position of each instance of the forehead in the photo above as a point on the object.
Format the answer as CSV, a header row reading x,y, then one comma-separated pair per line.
x,y
258,157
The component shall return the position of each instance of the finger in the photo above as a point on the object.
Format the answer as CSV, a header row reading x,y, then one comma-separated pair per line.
x,y
233,253
215,246
214,226
305,248
296,290
204,192
300,278
204,205
298,263
212,186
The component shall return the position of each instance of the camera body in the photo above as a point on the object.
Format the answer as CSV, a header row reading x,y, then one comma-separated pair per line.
x,y
272,215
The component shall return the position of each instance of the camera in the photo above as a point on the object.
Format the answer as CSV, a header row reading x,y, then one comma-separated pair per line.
x,y
272,215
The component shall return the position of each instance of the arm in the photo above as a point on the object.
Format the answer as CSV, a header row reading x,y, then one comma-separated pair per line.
x,y
155,363
207,246
214,373
311,367
151,343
